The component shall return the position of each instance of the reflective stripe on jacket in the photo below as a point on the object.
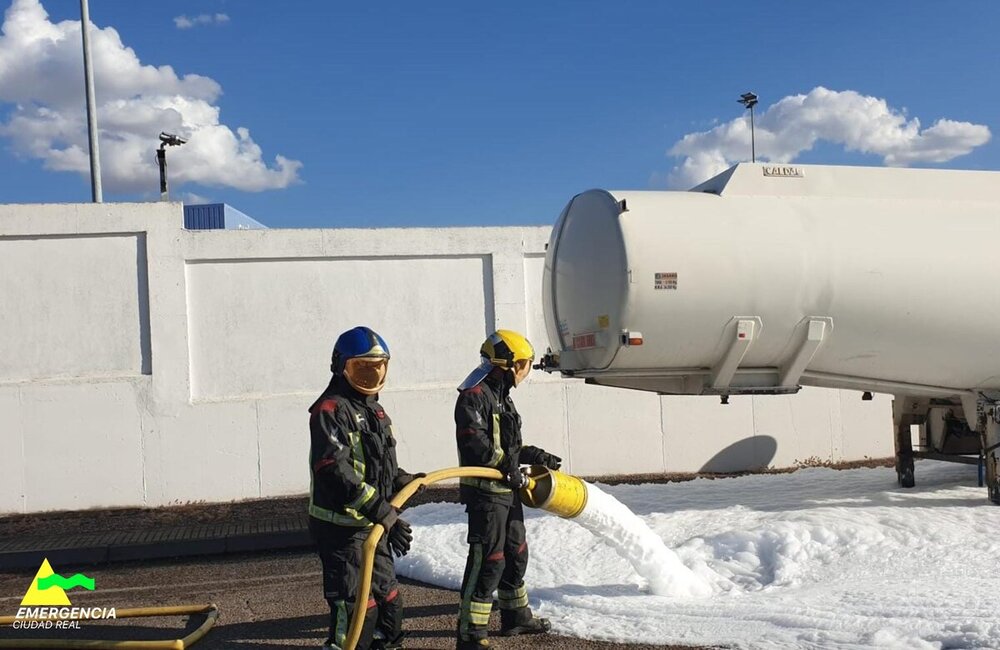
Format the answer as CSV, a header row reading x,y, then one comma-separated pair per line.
x,y
352,458
487,434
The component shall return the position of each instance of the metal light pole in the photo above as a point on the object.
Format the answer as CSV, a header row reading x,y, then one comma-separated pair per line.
x,y
749,100
166,140
88,77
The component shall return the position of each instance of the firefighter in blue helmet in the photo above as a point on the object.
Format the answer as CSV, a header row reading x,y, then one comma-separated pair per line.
x,y
488,434
354,473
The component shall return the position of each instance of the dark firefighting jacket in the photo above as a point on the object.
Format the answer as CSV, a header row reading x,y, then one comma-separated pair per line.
x,y
352,458
488,434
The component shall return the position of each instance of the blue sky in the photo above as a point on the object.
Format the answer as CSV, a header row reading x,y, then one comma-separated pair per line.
x,y
458,113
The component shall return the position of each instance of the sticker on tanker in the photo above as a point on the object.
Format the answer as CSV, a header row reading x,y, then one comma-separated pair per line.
x,y
664,281
584,341
782,172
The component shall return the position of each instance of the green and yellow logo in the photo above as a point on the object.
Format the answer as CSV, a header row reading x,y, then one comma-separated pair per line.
x,y
49,588
45,605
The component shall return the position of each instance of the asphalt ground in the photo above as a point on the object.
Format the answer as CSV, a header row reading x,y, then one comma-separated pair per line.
x,y
266,600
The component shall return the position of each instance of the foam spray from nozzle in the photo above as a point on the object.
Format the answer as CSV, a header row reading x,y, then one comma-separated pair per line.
x,y
609,519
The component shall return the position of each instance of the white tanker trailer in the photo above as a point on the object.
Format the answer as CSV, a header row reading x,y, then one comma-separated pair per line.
x,y
770,277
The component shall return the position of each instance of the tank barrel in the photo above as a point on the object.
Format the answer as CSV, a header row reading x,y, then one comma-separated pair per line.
x,y
771,277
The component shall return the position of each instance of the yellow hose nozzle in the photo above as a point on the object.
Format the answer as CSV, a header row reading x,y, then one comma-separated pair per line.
x,y
561,494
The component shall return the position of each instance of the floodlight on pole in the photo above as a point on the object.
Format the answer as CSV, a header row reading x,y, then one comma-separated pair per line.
x,y
166,140
749,100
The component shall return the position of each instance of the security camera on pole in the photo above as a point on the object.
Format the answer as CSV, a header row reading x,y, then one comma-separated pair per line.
x,y
166,140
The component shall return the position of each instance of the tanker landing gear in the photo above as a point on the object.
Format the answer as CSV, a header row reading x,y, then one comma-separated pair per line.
x,y
985,421
990,430
906,411
904,470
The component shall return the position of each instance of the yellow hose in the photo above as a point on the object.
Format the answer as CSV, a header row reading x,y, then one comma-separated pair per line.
x,y
368,554
211,612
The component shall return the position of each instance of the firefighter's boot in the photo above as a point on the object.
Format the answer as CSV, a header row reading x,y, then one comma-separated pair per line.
x,y
476,637
472,643
386,644
521,621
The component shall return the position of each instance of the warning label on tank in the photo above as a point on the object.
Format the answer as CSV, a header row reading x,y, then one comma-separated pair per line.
x,y
664,280
584,341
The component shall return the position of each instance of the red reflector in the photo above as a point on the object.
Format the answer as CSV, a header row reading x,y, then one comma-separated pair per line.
x,y
742,335
635,341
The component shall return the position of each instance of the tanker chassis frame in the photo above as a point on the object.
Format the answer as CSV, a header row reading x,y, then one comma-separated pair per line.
x,y
984,425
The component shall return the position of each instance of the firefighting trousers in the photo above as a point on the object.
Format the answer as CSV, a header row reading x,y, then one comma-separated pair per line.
x,y
498,557
340,550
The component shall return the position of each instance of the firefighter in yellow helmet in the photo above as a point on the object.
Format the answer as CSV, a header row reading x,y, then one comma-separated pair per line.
x,y
488,434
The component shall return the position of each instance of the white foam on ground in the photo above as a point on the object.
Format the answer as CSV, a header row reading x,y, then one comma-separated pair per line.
x,y
628,535
814,559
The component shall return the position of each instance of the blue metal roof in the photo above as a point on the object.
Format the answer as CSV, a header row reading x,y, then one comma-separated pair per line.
x,y
217,216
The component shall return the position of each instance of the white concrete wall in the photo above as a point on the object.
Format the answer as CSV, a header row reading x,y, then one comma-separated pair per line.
x,y
142,364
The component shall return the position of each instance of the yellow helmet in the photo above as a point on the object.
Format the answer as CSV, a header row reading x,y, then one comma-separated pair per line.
x,y
504,347
501,349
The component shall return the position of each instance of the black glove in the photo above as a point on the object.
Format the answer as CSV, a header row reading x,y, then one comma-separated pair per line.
x,y
549,460
516,479
398,532
510,467
404,479
537,456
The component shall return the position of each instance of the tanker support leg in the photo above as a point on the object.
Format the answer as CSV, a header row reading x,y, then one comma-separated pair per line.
x,y
991,452
905,412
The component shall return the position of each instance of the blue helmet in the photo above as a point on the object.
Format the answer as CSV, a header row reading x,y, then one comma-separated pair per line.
x,y
357,342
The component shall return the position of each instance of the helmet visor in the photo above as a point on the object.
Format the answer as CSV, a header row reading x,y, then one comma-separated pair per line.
x,y
366,374
521,369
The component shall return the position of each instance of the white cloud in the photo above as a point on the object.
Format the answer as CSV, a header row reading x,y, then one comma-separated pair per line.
x,y
183,22
190,198
48,120
795,123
